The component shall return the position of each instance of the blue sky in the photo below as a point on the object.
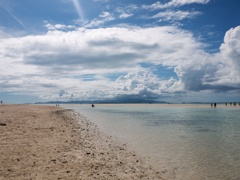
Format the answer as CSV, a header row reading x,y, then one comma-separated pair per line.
x,y
166,50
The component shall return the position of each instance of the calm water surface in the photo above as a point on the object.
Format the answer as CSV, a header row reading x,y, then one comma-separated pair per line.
x,y
185,142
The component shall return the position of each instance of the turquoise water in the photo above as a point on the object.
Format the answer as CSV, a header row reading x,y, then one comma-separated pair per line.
x,y
185,142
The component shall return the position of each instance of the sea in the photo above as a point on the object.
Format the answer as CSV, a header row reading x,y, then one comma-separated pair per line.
x,y
184,142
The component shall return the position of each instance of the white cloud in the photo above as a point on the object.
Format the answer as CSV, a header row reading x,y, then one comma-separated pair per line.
x,y
106,15
61,60
173,3
143,80
229,72
218,72
177,3
103,18
230,49
125,15
170,15
127,11
60,27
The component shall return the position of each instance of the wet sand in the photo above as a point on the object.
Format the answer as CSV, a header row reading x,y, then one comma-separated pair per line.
x,y
47,142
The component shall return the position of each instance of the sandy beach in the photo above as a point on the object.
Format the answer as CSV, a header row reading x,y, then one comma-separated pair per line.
x,y
47,142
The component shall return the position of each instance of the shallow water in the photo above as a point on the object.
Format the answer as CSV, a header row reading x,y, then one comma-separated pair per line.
x,y
183,141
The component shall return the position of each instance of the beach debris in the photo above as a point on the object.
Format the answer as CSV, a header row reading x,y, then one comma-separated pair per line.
x,y
3,124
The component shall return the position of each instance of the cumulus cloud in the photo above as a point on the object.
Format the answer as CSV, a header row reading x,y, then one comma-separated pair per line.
x,y
138,85
229,72
57,63
218,72
230,49
104,48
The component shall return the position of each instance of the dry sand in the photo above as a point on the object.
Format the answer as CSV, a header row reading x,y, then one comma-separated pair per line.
x,y
46,142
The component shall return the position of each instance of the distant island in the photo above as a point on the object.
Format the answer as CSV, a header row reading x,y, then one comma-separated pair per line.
x,y
105,102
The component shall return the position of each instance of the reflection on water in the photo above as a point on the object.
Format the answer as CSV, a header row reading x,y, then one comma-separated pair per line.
x,y
189,143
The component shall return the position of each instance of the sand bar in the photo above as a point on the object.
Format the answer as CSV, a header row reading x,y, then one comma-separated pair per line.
x,y
47,142
219,105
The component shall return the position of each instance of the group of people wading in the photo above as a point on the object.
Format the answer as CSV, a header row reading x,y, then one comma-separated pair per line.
x,y
214,105
231,104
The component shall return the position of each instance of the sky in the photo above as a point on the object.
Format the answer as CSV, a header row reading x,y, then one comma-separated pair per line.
x,y
119,50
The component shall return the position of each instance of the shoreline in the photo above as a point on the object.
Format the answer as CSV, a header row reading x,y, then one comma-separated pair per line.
x,y
156,105
148,104
48,142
